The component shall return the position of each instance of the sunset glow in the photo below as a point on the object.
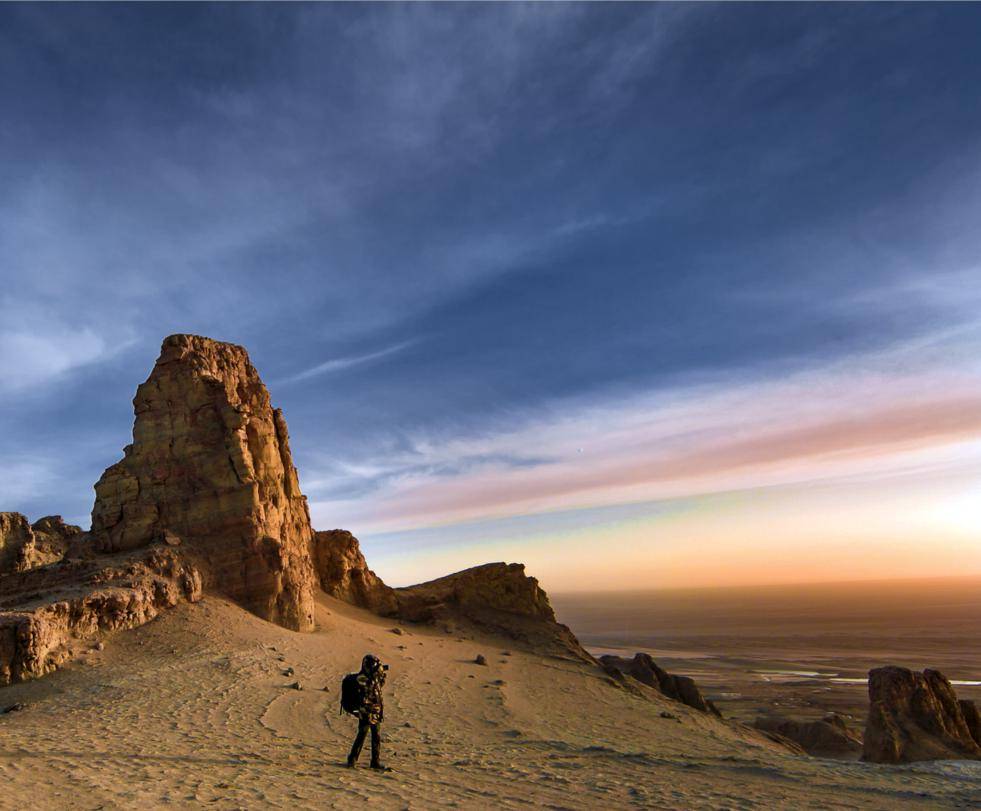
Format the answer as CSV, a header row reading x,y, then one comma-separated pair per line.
x,y
638,295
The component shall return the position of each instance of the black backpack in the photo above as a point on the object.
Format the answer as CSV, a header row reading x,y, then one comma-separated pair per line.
x,y
352,694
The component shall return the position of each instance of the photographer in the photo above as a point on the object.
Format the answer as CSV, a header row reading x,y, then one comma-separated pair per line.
x,y
371,679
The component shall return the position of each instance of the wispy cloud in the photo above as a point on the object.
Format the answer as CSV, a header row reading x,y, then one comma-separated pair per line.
x,y
340,364
862,416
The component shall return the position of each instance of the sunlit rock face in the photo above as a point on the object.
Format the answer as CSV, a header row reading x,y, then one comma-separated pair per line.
x,y
210,470
206,498
915,716
48,614
497,597
343,573
15,536
502,587
26,546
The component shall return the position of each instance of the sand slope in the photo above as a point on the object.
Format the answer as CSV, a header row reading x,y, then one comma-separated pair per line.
x,y
192,710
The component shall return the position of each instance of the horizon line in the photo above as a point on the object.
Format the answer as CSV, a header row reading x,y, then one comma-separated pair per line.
x,y
758,586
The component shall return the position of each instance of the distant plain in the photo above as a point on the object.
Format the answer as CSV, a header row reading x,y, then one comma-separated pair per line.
x,y
797,650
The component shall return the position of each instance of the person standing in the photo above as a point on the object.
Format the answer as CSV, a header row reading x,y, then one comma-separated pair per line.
x,y
371,679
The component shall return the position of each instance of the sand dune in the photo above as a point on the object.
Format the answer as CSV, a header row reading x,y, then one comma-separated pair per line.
x,y
193,710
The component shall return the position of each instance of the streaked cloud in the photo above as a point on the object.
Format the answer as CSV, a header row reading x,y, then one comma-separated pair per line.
x,y
339,364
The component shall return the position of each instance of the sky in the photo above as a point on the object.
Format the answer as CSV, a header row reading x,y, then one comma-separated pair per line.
x,y
640,295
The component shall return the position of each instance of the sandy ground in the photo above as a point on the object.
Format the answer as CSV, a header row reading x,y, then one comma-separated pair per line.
x,y
193,711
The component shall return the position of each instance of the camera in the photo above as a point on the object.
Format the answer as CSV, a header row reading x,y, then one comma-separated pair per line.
x,y
384,667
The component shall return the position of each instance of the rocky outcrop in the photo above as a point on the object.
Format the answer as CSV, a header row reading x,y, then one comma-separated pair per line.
x,y
645,670
343,573
499,597
15,535
972,718
494,586
53,539
26,546
51,613
827,737
207,497
915,716
210,469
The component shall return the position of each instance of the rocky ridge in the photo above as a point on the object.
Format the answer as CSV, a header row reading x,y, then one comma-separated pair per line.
x,y
206,498
498,597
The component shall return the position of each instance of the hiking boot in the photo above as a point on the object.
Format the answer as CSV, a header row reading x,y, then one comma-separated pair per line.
x,y
378,767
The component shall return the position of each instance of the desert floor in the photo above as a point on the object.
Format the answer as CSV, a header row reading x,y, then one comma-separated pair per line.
x,y
193,710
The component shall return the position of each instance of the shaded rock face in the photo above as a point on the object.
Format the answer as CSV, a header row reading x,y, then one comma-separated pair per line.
x,y
915,716
52,616
972,717
26,546
499,597
210,469
645,670
343,573
827,737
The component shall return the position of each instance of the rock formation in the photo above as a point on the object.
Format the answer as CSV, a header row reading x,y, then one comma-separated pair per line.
x,y
48,613
827,737
497,596
972,718
207,497
15,535
915,716
645,670
26,546
343,573
210,468
497,586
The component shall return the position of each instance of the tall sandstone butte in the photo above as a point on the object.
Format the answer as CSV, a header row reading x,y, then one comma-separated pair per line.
x,y
210,469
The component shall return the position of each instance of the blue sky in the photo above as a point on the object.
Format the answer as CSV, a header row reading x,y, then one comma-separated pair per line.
x,y
511,271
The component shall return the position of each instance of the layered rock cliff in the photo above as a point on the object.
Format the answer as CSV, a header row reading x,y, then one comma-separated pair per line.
x,y
343,573
915,716
48,614
210,468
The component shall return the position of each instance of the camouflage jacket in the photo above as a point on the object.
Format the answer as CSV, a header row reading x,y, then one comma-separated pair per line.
x,y
373,707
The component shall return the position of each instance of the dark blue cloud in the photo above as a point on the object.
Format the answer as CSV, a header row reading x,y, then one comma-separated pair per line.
x,y
528,202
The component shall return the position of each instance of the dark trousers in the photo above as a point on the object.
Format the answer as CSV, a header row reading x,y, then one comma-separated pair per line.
x,y
363,726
